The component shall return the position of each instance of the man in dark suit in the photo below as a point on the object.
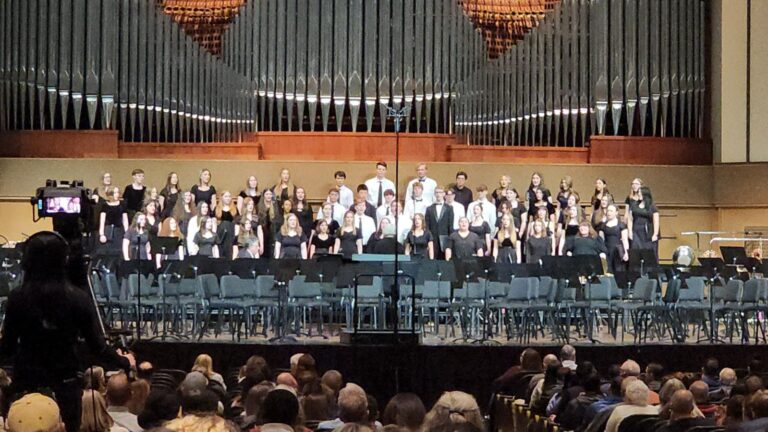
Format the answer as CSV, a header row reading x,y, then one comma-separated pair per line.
x,y
252,251
439,219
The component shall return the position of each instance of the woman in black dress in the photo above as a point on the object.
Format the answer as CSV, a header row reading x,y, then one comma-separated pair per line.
x,y
226,213
480,227
585,242
169,195
303,210
184,210
463,243
537,182
633,197
569,226
327,216
150,210
601,189
323,241
290,242
542,201
616,236
643,222
566,190
205,239
247,230
506,245
251,191
284,189
203,191
518,211
500,194
419,242
600,215
170,228
349,240
538,244
113,221
268,212
136,239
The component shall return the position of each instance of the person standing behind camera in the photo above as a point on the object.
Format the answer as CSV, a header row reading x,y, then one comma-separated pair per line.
x,y
45,318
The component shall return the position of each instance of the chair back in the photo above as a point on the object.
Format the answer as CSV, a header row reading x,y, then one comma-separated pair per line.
x,y
208,286
232,287
520,289
752,291
732,292
645,289
695,290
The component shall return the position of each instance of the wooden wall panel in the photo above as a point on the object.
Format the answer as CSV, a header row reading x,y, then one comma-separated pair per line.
x,y
351,146
523,155
71,144
649,151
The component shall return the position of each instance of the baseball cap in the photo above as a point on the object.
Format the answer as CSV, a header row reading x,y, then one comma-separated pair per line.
x,y
33,413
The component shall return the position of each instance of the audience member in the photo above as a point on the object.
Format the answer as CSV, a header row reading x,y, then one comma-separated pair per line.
x,y
34,413
515,380
118,398
287,379
452,411
630,368
755,413
568,357
279,412
95,417
727,380
635,402
406,411
710,374
139,393
682,413
204,365
94,378
353,408
700,391
575,410
317,401
254,401
161,406
654,373
199,410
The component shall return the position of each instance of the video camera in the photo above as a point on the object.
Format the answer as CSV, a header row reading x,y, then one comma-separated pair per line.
x,y
67,203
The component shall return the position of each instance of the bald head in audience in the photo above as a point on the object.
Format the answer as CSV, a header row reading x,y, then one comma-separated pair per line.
x,y
288,380
550,360
681,405
630,368
700,391
333,380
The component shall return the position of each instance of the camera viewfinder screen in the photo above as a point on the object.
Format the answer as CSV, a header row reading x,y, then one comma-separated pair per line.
x,y
68,205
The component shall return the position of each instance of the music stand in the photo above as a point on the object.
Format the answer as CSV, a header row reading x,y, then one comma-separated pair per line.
x,y
140,268
164,245
734,255
641,260
284,270
249,268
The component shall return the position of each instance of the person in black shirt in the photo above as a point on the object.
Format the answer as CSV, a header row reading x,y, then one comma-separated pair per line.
x,y
439,219
384,241
643,222
169,195
462,194
45,320
134,193
203,191
150,210
303,210
601,190
463,243
284,189
419,241
349,240
251,191
323,241
537,182
113,221
290,242
226,213
136,239
585,242
616,237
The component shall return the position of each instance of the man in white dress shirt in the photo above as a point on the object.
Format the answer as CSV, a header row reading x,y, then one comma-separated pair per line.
x,y
458,209
346,196
489,209
416,203
338,209
428,184
386,208
364,223
377,185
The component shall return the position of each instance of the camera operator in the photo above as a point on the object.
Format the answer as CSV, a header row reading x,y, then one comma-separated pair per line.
x,y
44,320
